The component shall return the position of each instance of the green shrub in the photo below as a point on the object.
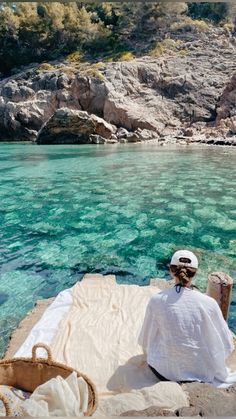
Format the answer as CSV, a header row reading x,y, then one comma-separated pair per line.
x,y
183,52
187,24
46,67
92,70
167,45
201,25
74,57
228,26
125,56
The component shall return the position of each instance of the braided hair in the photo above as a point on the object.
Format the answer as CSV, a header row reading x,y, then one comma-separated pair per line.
x,y
183,274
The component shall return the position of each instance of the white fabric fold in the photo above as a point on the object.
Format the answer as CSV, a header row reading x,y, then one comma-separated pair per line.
x,y
165,395
47,327
58,397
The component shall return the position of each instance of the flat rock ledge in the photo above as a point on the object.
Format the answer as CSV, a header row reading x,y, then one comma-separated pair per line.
x,y
205,400
20,334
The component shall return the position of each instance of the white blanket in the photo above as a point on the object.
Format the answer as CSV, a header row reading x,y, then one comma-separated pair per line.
x,y
94,328
99,335
47,327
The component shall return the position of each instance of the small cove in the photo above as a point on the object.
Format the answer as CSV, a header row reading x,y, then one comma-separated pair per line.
x,y
66,210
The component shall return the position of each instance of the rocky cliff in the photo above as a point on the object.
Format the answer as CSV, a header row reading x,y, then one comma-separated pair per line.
x,y
189,93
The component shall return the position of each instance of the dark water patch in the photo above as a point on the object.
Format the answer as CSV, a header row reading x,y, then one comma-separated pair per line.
x,y
111,270
47,291
18,263
3,297
79,269
131,279
7,169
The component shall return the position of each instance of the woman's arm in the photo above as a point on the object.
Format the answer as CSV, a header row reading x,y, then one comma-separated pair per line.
x,y
146,330
223,329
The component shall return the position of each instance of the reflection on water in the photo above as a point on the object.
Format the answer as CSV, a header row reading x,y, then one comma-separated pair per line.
x,y
66,210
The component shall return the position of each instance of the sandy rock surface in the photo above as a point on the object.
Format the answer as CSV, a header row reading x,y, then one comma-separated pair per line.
x,y
19,335
204,400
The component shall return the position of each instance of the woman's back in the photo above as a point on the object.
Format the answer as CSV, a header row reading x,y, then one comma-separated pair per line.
x,y
185,336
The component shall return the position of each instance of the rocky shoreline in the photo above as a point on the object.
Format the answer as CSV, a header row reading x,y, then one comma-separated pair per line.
x,y
169,141
186,96
68,126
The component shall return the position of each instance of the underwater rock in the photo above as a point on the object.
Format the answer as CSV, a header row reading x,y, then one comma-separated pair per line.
x,y
146,265
46,228
211,241
126,235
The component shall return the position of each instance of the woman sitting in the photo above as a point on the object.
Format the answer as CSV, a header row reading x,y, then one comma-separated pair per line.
x,y
184,334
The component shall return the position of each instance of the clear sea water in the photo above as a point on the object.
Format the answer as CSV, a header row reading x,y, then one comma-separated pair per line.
x,y
67,210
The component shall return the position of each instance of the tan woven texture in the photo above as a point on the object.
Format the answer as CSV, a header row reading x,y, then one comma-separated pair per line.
x,y
6,404
29,373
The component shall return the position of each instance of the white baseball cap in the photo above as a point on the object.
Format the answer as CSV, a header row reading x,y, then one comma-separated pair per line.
x,y
184,258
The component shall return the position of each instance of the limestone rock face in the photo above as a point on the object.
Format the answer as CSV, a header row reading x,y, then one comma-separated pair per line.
x,y
227,104
226,110
68,126
186,93
91,93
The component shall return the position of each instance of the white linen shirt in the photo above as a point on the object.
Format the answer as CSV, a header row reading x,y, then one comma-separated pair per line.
x,y
185,336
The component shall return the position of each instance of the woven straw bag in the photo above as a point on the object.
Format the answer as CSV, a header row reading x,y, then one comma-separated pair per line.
x,y
28,373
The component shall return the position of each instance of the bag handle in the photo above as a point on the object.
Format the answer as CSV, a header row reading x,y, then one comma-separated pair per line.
x,y
43,346
6,404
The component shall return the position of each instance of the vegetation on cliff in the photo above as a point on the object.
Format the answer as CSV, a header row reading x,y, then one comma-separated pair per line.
x,y
39,32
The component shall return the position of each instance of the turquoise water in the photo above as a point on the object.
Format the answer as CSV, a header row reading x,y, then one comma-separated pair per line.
x,y
67,210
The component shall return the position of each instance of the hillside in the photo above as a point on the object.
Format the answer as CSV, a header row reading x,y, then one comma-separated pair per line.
x,y
183,89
